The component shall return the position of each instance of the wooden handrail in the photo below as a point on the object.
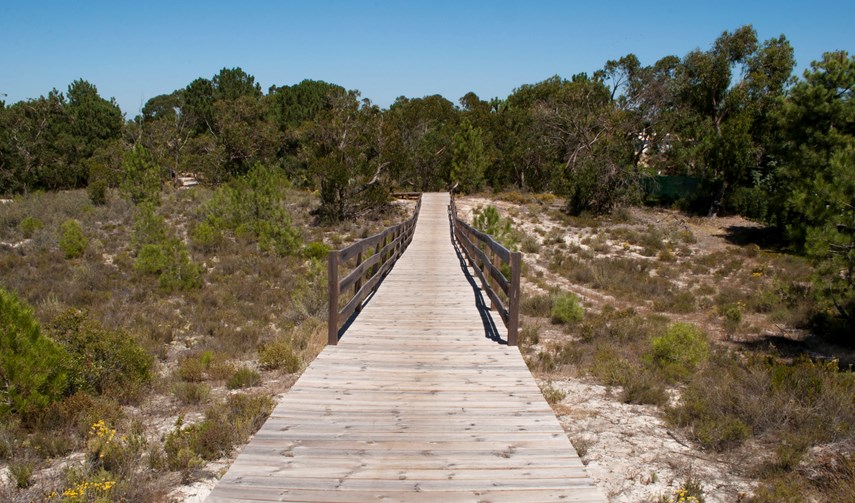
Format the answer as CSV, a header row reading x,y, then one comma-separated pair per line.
x,y
486,256
374,257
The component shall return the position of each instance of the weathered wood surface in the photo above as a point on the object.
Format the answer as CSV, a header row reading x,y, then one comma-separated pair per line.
x,y
416,403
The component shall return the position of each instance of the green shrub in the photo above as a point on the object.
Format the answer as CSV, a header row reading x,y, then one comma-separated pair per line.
x,y
552,394
149,227
99,181
29,225
278,354
531,245
732,314
225,425
608,367
488,220
190,369
244,377
151,259
721,432
643,387
206,237
171,261
536,305
316,250
142,178
252,207
680,351
566,308
191,393
32,367
22,471
102,361
72,241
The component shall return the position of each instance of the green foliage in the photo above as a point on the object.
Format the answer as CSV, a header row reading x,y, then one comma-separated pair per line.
x,y
316,250
680,351
224,426
469,158
244,377
142,178
488,220
206,237
279,354
29,225
162,255
643,387
552,394
252,207
171,261
149,227
831,243
32,367
72,241
102,361
99,181
566,308
191,393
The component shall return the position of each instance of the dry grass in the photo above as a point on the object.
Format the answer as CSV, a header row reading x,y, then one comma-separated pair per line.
x,y
762,388
203,340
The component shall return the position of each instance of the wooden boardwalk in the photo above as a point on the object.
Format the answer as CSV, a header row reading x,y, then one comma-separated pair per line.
x,y
415,403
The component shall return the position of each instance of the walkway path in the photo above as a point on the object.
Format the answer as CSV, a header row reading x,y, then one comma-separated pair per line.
x,y
415,403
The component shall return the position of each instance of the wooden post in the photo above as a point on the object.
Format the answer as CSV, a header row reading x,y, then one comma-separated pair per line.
x,y
332,285
358,284
514,299
490,279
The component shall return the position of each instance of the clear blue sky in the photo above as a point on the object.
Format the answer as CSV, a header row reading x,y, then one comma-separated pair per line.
x,y
134,51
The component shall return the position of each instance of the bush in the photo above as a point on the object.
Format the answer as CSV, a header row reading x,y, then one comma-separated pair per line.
x,y
721,432
29,225
149,227
102,361
99,181
244,377
643,387
190,369
488,220
251,206
278,354
191,393
552,394
680,351
32,367
142,177
316,250
536,305
171,261
206,237
224,426
72,241
566,308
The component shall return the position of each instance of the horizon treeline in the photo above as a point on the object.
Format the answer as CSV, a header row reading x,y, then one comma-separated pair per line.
x,y
753,138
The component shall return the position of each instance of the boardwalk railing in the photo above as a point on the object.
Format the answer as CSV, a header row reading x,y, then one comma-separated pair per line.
x,y
373,258
488,258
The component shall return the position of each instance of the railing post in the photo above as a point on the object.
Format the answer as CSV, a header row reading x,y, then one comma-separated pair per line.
x,y
358,283
493,285
514,299
332,285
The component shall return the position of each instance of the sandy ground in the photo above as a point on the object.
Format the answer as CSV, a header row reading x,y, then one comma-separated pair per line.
x,y
631,454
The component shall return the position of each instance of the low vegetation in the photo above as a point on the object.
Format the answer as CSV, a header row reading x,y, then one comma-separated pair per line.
x,y
151,330
727,340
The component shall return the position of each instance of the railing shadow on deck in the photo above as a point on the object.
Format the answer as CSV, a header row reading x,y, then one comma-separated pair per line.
x,y
497,268
490,330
